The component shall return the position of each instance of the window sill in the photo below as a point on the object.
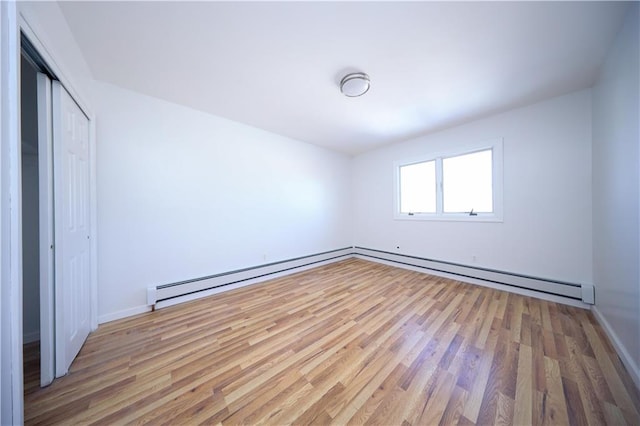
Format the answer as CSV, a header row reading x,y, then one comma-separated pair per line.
x,y
449,218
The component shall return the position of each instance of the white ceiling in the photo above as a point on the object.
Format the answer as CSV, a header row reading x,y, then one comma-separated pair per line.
x,y
277,66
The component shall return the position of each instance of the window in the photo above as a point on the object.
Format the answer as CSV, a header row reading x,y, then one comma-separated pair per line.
x,y
418,187
461,185
467,183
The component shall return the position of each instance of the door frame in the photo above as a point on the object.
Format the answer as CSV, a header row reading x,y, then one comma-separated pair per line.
x,y
11,385
13,24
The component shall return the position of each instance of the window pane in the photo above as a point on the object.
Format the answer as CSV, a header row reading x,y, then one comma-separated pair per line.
x,y
467,183
418,188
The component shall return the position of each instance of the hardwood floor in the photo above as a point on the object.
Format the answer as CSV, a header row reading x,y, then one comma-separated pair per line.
x,y
348,343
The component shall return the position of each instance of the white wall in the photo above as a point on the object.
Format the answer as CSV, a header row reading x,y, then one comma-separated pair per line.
x,y
616,192
547,195
183,194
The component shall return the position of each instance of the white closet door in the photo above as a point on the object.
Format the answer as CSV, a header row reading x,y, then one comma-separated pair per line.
x,y
72,228
45,189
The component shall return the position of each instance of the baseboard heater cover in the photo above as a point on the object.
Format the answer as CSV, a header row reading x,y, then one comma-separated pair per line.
x,y
166,292
579,292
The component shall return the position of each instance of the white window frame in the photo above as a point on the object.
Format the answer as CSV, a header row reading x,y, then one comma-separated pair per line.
x,y
496,148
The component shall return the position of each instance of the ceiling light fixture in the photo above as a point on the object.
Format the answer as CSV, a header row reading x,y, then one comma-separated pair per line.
x,y
355,84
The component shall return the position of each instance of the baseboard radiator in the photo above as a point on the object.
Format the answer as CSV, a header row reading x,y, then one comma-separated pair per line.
x,y
577,292
170,294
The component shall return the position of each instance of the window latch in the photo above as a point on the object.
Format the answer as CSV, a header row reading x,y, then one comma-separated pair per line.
x,y
471,213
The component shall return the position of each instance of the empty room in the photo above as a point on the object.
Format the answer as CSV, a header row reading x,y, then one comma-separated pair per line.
x,y
392,213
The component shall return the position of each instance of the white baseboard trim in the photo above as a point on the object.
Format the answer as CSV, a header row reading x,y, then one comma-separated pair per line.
x,y
543,288
470,280
229,287
629,362
31,337
123,314
170,294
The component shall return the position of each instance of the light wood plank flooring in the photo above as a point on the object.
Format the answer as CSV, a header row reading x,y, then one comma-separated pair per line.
x,y
348,343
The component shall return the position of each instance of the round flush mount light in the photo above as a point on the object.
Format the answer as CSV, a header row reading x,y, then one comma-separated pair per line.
x,y
355,84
